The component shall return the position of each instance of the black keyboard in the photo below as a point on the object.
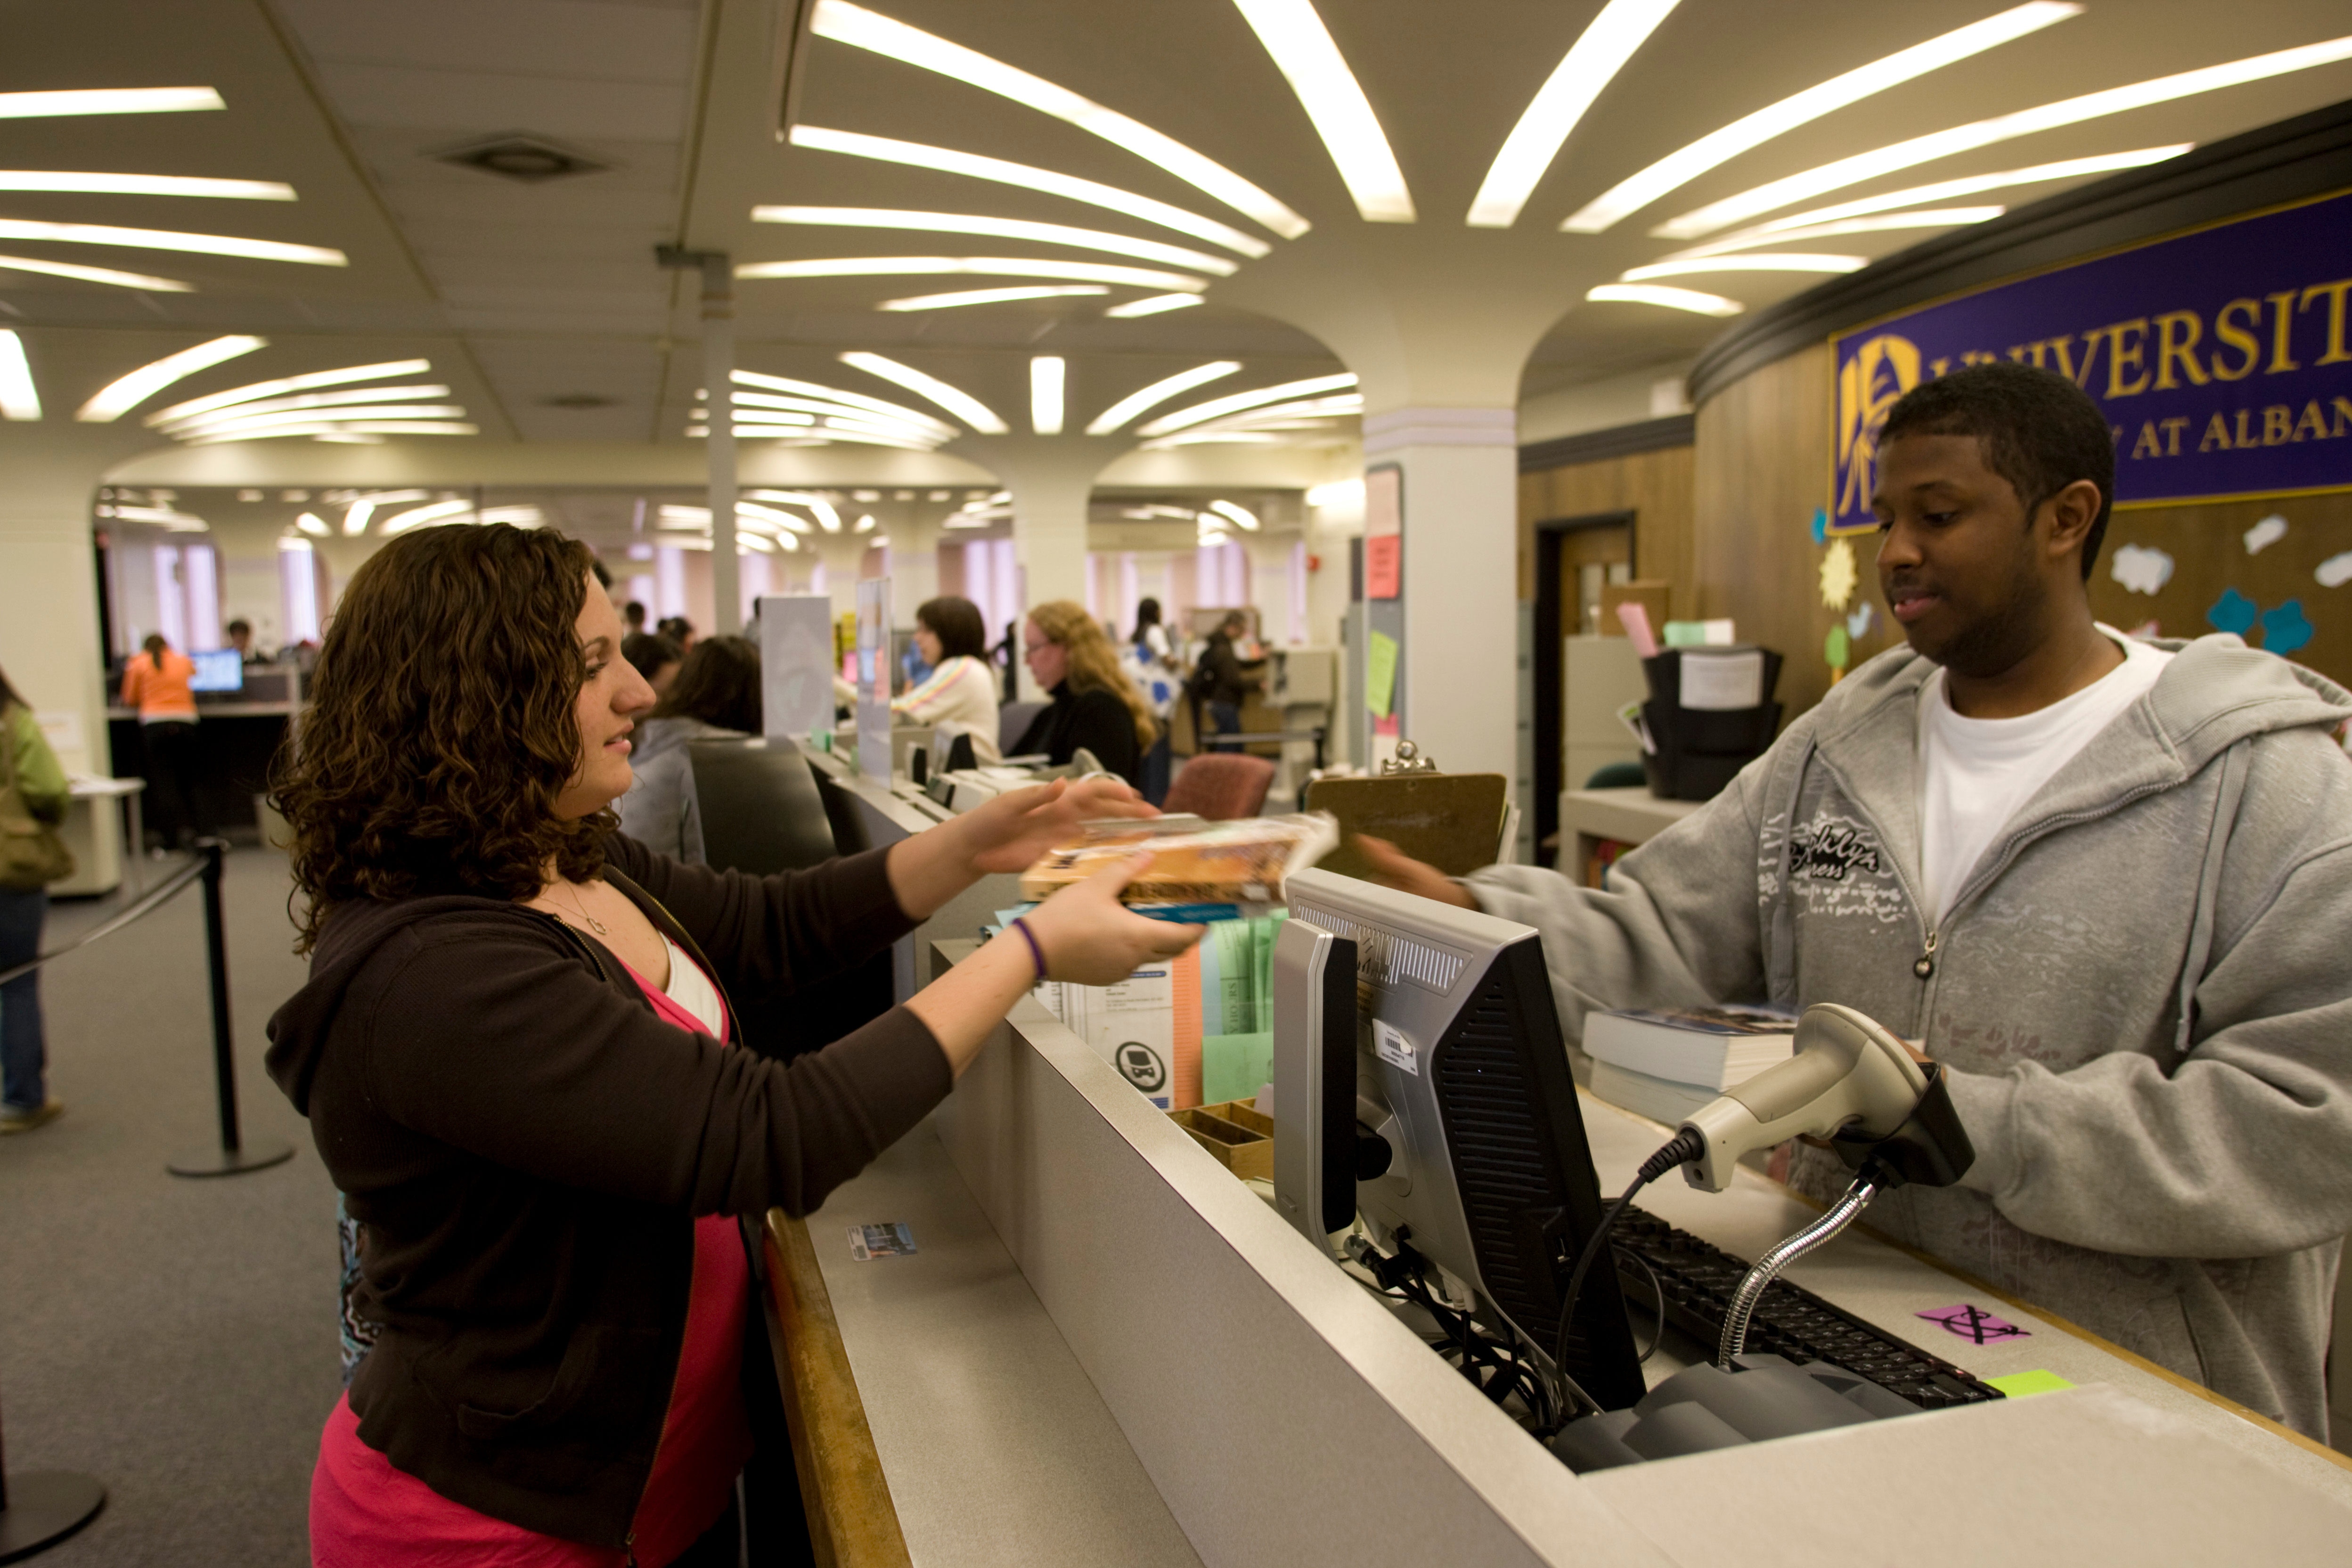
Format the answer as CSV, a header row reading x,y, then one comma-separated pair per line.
x,y
1697,1280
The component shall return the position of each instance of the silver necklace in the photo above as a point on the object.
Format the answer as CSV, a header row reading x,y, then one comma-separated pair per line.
x,y
599,927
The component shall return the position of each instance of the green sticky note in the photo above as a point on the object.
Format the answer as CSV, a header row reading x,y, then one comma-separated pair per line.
x,y
1380,673
1231,1007
1234,1066
2018,1385
1684,634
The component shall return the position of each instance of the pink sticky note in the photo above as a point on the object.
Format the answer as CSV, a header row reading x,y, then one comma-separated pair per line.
x,y
1974,1324
1635,619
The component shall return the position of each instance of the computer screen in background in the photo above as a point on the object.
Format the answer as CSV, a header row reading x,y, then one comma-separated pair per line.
x,y
1459,1069
218,669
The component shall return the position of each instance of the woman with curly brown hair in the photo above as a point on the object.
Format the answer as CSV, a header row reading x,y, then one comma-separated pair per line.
x,y
512,1052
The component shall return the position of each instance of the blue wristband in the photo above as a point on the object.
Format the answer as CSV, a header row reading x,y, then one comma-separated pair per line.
x,y
1036,952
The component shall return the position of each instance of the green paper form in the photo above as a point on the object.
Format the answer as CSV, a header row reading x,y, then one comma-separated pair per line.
x,y
1380,674
2018,1385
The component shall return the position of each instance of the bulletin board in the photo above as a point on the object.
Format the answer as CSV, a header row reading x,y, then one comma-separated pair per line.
x,y
2285,585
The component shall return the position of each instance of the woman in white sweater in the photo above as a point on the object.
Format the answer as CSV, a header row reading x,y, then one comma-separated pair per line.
x,y
960,689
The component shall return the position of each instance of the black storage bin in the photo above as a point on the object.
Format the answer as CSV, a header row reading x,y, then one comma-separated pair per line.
x,y
1701,749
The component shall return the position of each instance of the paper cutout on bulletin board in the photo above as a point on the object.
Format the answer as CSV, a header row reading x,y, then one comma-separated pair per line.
x,y
2286,628
2334,571
1383,566
2265,533
1838,650
2141,569
1839,574
1821,524
1858,625
2233,613
1380,674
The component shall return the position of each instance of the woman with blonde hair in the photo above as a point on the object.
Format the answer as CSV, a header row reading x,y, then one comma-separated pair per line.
x,y
1094,705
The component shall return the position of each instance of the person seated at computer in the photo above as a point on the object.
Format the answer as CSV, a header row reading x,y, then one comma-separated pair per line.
x,y
960,689
714,695
240,638
512,1050
155,686
2101,881
1095,707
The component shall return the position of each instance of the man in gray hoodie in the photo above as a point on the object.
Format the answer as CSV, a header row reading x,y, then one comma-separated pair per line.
x,y
2101,881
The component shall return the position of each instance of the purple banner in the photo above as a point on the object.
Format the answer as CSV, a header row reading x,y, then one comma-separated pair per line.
x,y
2220,358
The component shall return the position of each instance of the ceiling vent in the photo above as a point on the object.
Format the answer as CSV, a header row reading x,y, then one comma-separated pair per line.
x,y
518,156
578,400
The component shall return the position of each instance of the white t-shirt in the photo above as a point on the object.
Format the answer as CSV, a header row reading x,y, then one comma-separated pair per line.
x,y
1975,773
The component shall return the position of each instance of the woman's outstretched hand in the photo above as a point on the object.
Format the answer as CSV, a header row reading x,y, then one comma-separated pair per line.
x,y
1009,833
1088,937
1006,834
1084,934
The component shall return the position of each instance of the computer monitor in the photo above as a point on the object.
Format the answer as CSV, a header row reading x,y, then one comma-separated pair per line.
x,y
1450,1055
218,669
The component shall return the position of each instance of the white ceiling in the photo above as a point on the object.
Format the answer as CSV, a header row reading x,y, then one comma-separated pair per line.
x,y
529,297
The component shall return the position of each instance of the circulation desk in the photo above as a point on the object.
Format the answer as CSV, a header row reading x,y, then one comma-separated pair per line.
x,y
1106,1350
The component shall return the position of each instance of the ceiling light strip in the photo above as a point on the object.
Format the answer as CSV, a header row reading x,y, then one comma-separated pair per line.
x,y
1157,393
1678,169
995,228
1919,149
1689,300
1590,64
992,296
1201,413
19,398
1155,305
978,266
261,389
167,239
143,185
310,400
96,275
1877,223
1294,34
1048,374
861,29
108,100
401,522
126,393
1777,261
836,395
241,421
947,160
1943,190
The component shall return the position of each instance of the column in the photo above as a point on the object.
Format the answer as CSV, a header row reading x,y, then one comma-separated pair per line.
x,y
1052,478
719,378
1458,689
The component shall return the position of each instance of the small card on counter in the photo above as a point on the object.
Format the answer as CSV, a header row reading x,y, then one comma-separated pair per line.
x,y
868,1242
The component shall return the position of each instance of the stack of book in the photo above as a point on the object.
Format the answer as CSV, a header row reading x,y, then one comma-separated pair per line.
x,y
1665,1066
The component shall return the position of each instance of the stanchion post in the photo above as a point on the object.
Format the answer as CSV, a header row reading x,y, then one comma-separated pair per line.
x,y
41,1507
232,1157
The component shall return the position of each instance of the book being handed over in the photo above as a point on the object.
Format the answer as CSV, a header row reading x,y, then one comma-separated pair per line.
x,y
1708,1047
1200,871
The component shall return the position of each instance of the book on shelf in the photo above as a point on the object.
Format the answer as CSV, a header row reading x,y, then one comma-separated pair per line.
x,y
1709,1048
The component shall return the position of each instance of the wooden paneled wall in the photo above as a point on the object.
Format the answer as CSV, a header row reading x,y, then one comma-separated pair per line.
x,y
1654,486
1761,469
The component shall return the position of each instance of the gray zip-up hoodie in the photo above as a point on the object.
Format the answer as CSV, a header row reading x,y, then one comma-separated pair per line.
x,y
2142,993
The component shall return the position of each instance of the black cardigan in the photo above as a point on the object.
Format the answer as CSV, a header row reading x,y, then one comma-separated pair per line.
x,y
527,1143
1095,719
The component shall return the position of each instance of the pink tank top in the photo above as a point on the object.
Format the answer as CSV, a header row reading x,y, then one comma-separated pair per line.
x,y
366,1514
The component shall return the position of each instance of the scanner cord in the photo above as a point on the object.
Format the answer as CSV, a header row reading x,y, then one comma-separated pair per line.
x,y
1684,1147
1821,1233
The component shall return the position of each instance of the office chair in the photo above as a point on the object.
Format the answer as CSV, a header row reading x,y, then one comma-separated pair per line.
x,y
1221,786
763,813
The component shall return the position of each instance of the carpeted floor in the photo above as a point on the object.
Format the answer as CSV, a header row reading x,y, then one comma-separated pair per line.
x,y
174,1337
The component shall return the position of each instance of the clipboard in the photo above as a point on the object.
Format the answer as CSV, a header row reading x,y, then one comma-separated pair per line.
x,y
1452,821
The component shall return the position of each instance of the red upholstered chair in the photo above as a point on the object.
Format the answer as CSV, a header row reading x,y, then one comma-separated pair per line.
x,y
1221,786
